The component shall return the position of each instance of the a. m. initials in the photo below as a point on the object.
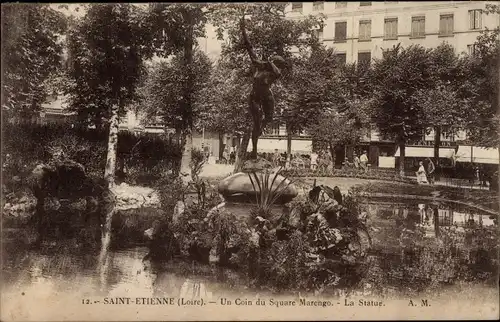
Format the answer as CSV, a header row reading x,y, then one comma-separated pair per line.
x,y
423,303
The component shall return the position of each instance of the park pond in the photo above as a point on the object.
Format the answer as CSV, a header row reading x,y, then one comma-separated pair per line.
x,y
416,249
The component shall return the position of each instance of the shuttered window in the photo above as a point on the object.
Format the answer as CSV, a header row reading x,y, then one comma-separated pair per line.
x,y
364,58
446,25
318,5
365,30
297,6
391,28
340,31
418,26
475,19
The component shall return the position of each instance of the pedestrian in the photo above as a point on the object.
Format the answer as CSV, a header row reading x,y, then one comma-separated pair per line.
x,y
276,158
431,171
363,159
225,156
356,161
314,161
232,157
421,176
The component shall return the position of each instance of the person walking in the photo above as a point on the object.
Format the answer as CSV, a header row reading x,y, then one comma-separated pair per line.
x,y
431,171
357,162
314,161
421,176
363,159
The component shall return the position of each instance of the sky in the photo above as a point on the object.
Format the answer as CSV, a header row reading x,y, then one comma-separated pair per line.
x,y
210,45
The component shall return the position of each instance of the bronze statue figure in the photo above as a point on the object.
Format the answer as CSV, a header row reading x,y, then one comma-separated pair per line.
x,y
261,99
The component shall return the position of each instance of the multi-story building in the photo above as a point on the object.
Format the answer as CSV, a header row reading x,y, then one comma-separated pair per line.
x,y
360,31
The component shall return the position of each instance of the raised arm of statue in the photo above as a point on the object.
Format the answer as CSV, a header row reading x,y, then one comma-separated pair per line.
x,y
248,45
275,69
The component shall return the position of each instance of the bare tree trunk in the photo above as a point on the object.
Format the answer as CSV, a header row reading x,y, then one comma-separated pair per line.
x,y
221,145
185,171
437,143
241,152
332,152
288,148
401,158
109,176
187,147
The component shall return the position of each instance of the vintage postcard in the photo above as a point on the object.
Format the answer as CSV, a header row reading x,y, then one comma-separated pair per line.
x,y
250,161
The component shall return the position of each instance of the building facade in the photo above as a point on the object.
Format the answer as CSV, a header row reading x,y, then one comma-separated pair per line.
x,y
359,31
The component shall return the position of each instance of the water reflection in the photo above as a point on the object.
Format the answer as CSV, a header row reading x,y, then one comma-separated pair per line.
x,y
422,247
401,260
433,217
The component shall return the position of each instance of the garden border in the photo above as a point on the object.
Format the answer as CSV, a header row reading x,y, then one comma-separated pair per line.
x,y
416,197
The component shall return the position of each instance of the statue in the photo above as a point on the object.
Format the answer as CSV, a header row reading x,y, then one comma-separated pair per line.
x,y
261,99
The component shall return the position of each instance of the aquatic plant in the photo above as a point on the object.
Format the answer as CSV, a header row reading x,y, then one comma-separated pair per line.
x,y
266,192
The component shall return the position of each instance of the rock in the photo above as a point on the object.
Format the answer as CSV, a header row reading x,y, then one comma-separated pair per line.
x,y
51,204
238,188
149,233
78,205
213,257
294,220
178,211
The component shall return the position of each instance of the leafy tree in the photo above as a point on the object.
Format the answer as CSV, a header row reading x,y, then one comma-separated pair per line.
x,y
397,77
164,88
483,124
308,91
270,34
445,104
107,51
32,51
344,113
224,107
174,29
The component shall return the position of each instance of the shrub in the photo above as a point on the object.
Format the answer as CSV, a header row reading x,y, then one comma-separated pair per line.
x,y
308,253
141,157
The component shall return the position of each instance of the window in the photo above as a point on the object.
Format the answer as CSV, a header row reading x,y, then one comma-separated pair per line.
x,y
341,58
364,58
297,7
365,3
418,26
365,29
446,25
319,33
391,28
471,49
342,4
475,17
340,31
318,5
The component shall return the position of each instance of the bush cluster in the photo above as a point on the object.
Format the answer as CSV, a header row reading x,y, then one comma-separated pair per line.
x,y
314,246
141,157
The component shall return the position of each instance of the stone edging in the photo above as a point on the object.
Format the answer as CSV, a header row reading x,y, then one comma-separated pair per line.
x,y
415,197
408,181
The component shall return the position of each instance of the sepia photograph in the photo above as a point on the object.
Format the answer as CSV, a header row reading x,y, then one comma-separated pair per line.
x,y
250,161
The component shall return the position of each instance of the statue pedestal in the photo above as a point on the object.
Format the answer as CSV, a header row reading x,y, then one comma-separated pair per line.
x,y
241,196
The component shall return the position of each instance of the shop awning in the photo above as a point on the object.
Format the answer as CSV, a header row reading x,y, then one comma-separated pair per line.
x,y
426,152
466,153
